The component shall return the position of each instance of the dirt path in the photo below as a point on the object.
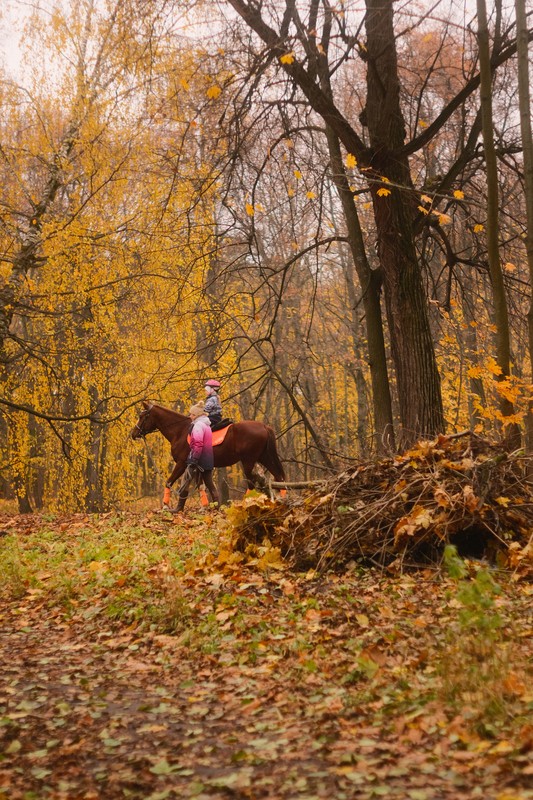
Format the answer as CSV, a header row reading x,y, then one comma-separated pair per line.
x,y
104,716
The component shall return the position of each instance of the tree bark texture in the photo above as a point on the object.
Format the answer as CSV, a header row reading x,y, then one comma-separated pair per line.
x,y
418,381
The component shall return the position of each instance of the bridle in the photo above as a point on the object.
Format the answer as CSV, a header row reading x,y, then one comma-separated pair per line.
x,y
142,419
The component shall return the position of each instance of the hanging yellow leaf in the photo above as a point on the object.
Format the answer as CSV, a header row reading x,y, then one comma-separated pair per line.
x,y
426,199
509,267
383,192
474,372
505,389
311,195
351,161
423,210
444,219
288,58
422,124
213,92
478,228
458,194
297,174
493,367
184,84
250,210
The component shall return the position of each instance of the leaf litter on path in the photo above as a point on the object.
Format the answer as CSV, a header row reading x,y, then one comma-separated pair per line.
x,y
172,674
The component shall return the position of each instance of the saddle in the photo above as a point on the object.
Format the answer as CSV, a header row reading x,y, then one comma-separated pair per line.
x,y
219,430
222,424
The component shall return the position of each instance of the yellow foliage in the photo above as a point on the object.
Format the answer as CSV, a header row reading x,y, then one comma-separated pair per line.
x,y
492,366
351,161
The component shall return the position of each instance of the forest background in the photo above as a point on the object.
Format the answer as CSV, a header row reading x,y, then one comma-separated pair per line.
x,y
326,206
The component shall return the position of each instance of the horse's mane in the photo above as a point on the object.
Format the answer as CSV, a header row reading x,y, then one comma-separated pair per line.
x,y
170,411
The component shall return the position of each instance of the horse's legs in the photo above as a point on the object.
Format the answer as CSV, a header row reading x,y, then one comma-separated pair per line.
x,y
253,479
178,470
211,488
248,467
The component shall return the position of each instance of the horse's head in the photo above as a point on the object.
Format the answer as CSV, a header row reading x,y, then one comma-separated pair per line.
x,y
146,422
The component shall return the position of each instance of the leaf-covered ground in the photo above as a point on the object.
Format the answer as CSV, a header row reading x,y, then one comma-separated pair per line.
x,y
144,658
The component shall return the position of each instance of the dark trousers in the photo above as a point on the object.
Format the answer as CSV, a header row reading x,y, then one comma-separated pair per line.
x,y
193,475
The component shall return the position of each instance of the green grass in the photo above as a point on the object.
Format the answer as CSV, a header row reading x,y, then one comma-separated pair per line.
x,y
127,572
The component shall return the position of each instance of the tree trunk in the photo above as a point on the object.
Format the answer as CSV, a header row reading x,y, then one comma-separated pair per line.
x,y
370,288
419,391
501,319
524,97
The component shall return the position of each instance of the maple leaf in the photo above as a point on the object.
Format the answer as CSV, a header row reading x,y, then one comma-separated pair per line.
x,y
250,210
493,367
478,228
383,192
213,92
458,194
288,58
351,161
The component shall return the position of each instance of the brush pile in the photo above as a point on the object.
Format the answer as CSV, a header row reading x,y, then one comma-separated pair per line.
x,y
401,511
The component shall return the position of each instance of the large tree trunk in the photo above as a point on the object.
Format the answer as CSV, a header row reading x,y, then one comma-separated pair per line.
x,y
419,392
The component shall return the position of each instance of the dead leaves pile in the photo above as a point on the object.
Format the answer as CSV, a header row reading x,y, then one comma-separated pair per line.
x,y
402,511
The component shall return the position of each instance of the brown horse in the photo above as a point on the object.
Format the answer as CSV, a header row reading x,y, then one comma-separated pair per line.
x,y
249,442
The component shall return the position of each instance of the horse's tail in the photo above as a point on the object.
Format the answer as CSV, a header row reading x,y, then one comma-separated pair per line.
x,y
270,458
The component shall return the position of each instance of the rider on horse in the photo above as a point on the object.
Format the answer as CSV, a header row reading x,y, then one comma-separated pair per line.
x,y
212,405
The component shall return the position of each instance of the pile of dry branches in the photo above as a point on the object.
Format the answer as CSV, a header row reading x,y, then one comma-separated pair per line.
x,y
402,511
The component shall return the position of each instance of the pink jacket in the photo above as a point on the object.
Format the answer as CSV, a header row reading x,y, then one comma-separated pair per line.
x,y
201,443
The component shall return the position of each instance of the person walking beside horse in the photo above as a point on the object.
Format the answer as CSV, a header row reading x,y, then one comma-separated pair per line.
x,y
200,461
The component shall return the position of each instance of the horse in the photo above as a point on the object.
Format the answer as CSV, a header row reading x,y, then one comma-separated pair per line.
x,y
249,442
